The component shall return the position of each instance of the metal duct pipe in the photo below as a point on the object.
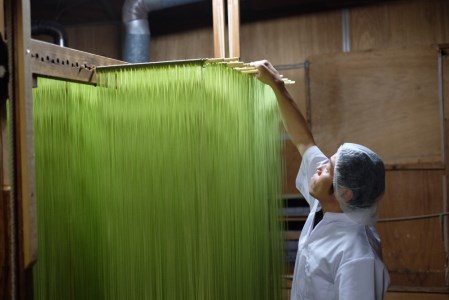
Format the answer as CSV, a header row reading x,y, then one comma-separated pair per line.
x,y
53,29
135,19
137,39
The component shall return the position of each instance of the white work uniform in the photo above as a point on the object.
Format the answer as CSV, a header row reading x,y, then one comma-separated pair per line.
x,y
339,258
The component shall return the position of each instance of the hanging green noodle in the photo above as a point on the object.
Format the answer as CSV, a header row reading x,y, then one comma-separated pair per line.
x,y
160,183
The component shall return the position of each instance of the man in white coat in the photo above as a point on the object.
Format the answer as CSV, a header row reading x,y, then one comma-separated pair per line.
x,y
339,253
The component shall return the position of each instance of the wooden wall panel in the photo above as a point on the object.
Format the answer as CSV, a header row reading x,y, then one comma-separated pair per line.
x,y
413,250
386,100
291,40
297,90
98,39
292,161
188,45
398,24
292,158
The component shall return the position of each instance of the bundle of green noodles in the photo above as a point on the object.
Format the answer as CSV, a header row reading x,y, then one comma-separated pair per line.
x,y
161,183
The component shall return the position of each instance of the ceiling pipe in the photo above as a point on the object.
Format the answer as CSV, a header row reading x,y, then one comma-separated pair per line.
x,y
135,19
51,28
137,39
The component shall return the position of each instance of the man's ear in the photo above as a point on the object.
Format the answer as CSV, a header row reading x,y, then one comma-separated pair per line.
x,y
346,194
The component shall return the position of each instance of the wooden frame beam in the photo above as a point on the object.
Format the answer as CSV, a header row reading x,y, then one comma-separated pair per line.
x,y
52,61
233,28
219,28
21,219
5,237
443,93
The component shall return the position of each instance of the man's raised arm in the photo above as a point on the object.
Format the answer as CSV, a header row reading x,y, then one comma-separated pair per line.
x,y
294,121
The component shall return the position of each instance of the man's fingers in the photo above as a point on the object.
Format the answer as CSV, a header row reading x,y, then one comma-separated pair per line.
x,y
257,65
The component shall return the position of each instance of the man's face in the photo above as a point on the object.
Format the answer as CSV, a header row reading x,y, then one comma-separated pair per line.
x,y
321,182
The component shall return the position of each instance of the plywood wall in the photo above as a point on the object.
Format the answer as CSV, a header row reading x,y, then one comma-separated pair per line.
x,y
398,24
384,99
292,40
100,39
414,250
187,45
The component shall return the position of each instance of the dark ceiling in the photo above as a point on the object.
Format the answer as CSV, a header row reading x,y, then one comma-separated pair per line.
x,y
179,18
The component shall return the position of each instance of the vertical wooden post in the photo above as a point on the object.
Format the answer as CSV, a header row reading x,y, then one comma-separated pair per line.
x,y
3,215
24,224
234,28
443,78
23,133
6,286
219,28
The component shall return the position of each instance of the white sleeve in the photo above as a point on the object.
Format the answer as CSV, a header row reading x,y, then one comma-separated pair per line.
x,y
364,278
310,161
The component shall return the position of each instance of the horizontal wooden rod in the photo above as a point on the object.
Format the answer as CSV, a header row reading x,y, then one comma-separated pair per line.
x,y
412,218
153,64
53,61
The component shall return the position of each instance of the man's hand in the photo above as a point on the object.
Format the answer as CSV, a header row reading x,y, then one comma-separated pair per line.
x,y
267,73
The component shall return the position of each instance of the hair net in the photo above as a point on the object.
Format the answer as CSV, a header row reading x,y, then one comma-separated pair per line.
x,y
362,171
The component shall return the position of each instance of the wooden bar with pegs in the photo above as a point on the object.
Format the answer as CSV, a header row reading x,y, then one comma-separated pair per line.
x,y
52,61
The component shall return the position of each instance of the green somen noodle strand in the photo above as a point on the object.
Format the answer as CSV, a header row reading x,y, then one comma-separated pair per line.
x,y
159,183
